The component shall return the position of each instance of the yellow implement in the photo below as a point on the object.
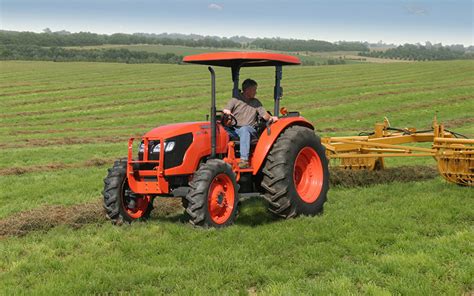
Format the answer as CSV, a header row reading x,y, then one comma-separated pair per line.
x,y
455,156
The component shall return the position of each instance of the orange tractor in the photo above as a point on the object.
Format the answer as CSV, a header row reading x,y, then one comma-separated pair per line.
x,y
198,161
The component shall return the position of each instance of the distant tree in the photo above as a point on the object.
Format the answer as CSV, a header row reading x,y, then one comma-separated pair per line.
x,y
420,53
306,45
64,38
59,54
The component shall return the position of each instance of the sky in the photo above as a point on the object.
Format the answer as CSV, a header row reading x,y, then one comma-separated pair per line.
x,y
395,21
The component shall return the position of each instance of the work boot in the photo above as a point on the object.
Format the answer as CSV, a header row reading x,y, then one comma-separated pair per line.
x,y
244,164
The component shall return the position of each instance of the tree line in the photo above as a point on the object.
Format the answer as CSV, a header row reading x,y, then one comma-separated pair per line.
x,y
419,53
307,45
49,46
59,54
64,38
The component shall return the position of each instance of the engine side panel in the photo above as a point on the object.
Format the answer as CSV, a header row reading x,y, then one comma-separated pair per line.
x,y
199,148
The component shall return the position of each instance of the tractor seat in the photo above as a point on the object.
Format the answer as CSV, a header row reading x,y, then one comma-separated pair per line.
x,y
236,140
253,142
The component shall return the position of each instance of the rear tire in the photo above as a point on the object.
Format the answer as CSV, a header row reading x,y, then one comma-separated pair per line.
x,y
296,174
120,203
213,198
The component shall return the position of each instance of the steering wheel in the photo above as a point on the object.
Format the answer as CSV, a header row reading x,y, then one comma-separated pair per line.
x,y
229,120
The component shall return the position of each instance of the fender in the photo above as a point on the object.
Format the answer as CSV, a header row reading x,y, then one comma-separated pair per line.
x,y
266,141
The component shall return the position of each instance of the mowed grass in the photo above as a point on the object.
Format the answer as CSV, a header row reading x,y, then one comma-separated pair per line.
x,y
59,123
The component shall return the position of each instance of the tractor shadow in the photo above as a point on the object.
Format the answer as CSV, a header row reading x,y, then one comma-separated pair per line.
x,y
252,212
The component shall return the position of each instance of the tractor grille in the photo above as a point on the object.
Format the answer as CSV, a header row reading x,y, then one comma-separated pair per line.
x,y
174,157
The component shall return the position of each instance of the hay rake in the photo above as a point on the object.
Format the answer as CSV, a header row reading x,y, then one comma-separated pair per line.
x,y
453,152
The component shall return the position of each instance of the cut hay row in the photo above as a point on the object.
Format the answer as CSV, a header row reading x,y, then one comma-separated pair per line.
x,y
20,137
152,76
329,99
47,217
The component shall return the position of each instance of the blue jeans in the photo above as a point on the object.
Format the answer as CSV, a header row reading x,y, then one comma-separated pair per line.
x,y
245,134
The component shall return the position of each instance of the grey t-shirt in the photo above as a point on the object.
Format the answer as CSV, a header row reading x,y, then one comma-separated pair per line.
x,y
246,111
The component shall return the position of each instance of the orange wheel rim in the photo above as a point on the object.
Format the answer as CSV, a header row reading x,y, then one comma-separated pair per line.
x,y
308,175
140,207
221,199
134,207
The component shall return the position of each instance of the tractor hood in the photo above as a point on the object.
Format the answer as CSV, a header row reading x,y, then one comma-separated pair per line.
x,y
171,130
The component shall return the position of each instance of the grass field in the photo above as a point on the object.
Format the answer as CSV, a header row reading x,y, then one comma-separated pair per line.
x,y
62,124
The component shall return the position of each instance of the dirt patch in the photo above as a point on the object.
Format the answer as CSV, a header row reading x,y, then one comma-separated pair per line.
x,y
80,129
458,122
370,96
47,217
77,216
97,106
31,169
349,178
385,111
63,89
166,206
335,130
26,143
66,98
94,162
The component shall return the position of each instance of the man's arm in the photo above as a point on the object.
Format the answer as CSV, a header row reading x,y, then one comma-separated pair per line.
x,y
263,113
229,107
267,117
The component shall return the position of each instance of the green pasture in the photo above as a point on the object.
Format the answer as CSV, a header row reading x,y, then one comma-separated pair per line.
x,y
60,122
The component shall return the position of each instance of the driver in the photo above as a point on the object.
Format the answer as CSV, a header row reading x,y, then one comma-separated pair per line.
x,y
245,108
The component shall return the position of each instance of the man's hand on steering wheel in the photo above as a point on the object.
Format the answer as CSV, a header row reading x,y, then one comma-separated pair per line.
x,y
228,119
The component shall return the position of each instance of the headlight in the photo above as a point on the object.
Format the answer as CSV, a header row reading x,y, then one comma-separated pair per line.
x,y
169,146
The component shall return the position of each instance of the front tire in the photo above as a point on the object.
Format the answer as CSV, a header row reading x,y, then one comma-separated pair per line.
x,y
213,198
296,174
120,203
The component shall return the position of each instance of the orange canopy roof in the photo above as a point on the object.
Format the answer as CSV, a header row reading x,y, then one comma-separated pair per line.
x,y
242,59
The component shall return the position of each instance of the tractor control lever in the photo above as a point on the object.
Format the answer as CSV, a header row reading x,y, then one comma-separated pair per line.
x,y
269,122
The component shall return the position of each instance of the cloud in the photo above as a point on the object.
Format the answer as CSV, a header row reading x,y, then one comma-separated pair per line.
x,y
215,6
415,9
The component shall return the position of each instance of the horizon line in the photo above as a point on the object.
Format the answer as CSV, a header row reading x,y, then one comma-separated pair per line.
x,y
221,36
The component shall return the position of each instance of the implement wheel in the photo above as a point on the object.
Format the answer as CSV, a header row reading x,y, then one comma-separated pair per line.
x,y
296,174
213,198
120,203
